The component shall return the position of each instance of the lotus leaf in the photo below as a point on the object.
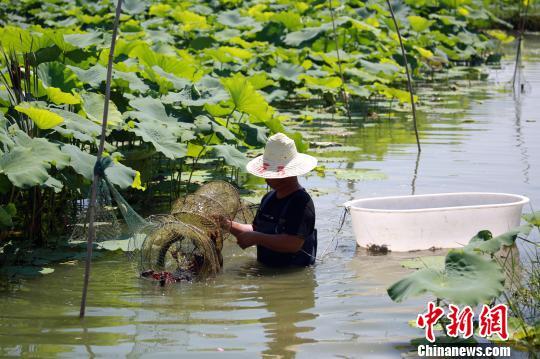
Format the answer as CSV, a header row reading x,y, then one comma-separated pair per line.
x,y
77,126
245,98
231,155
134,6
467,279
486,244
56,74
419,23
94,76
287,71
149,109
532,218
296,38
161,138
255,135
7,212
93,104
84,40
27,164
233,18
62,98
44,119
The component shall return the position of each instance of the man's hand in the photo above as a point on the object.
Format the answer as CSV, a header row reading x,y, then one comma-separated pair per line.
x,y
246,239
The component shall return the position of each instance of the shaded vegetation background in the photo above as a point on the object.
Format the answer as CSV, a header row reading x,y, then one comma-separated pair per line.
x,y
197,88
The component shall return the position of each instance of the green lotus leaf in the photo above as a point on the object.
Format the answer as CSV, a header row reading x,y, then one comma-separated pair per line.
x,y
27,164
358,174
7,213
245,98
532,218
287,71
44,119
77,127
394,93
177,82
232,18
160,136
149,109
290,19
130,80
93,104
484,243
84,40
94,76
379,68
419,23
56,74
134,7
324,83
260,80
231,155
296,38
467,279
255,135
83,163
62,98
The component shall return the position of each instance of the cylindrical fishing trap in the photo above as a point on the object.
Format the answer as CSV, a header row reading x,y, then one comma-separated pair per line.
x,y
187,244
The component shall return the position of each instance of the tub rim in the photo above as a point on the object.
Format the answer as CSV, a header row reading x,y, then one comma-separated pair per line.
x,y
520,200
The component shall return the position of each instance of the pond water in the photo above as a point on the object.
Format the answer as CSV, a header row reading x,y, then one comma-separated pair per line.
x,y
475,137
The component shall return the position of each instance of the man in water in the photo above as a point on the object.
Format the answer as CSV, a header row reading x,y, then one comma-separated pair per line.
x,y
284,227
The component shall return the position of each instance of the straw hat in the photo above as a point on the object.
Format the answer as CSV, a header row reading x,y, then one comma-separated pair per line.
x,y
281,159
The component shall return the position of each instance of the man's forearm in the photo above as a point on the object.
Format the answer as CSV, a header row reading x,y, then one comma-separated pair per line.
x,y
284,243
237,228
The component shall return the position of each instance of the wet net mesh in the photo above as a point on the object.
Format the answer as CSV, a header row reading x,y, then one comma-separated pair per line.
x,y
185,244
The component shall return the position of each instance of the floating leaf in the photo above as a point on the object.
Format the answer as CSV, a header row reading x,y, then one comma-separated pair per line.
x,y
233,18
467,279
44,119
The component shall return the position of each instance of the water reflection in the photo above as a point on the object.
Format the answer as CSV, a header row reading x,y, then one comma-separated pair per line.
x,y
289,295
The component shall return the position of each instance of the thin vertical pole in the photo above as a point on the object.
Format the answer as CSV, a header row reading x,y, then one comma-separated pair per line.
x,y
97,176
409,81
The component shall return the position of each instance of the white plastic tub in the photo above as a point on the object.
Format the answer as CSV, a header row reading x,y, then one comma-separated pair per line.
x,y
445,220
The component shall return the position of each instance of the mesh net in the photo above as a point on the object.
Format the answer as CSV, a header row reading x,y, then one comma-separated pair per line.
x,y
181,246
105,220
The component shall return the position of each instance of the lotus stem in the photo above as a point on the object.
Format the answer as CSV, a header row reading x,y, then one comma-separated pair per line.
x,y
96,179
409,80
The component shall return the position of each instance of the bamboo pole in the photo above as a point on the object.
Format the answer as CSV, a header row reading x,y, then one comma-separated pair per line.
x,y
521,30
409,81
97,176
344,95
